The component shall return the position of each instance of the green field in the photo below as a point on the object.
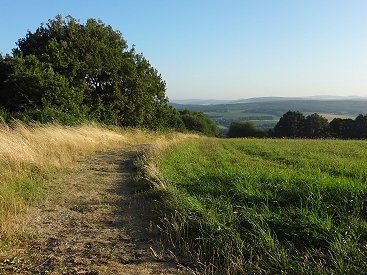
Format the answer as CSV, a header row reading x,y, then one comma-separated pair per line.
x,y
235,114
224,119
251,206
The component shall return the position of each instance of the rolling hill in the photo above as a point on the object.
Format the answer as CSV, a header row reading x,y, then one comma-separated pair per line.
x,y
266,111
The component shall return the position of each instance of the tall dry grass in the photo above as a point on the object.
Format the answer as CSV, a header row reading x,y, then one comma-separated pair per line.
x,y
29,154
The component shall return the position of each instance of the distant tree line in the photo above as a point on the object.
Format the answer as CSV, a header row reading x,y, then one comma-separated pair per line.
x,y
70,72
294,124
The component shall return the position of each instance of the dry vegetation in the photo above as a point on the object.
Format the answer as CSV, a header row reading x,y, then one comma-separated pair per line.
x,y
31,154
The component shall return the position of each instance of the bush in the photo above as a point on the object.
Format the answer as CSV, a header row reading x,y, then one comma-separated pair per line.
x,y
238,129
199,122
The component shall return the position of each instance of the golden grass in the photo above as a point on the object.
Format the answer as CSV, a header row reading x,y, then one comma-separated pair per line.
x,y
28,152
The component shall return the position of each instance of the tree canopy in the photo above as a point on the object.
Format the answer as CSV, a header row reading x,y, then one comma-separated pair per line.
x,y
291,124
238,129
68,70
316,126
199,122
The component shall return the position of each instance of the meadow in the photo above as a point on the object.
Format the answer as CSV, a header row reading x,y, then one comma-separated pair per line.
x,y
232,206
264,206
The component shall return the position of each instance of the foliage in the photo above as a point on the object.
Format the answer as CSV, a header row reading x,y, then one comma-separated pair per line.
x,y
316,126
361,126
339,127
199,122
291,124
244,129
263,206
85,71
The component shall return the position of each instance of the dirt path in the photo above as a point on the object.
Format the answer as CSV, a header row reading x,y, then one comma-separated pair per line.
x,y
95,222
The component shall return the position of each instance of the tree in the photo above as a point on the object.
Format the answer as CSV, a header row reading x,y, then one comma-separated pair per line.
x,y
336,127
342,128
361,126
349,128
33,85
199,122
291,124
239,129
316,126
5,70
86,71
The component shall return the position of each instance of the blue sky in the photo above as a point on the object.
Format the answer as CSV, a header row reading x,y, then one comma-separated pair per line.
x,y
217,49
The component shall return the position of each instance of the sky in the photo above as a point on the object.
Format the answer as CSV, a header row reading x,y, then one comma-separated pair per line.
x,y
225,49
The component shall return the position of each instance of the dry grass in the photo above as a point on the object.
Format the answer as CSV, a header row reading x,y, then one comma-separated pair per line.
x,y
29,154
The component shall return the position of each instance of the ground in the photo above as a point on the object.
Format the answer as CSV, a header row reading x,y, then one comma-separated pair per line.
x,y
96,220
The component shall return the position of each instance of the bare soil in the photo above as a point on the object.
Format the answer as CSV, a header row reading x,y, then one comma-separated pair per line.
x,y
97,220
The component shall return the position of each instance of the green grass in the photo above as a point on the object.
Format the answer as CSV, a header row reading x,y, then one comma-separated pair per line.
x,y
248,206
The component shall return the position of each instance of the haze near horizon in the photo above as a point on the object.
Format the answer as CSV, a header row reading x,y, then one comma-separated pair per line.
x,y
226,50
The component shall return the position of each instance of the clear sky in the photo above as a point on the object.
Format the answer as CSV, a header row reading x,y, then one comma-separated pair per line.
x,y
226,49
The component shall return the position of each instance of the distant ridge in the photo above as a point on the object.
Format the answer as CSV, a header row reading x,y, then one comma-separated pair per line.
x,y
262,99
200,101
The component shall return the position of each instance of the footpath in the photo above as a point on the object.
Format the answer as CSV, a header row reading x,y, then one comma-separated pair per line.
x,y
95,221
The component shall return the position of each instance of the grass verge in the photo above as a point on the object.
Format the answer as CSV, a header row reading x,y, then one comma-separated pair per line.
x,y
31,155
249,206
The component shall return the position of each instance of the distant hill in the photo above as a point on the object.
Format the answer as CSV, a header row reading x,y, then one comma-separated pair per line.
x,y
279,107
199,101
265,112
262,99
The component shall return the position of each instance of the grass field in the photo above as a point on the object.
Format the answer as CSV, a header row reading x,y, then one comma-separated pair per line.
x,y
251,206
235,114
238,206
223,119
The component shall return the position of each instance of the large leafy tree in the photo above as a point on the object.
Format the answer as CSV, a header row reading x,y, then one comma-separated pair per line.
x,y
86,71
343,128
316,126
361,126
291,124
5,71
